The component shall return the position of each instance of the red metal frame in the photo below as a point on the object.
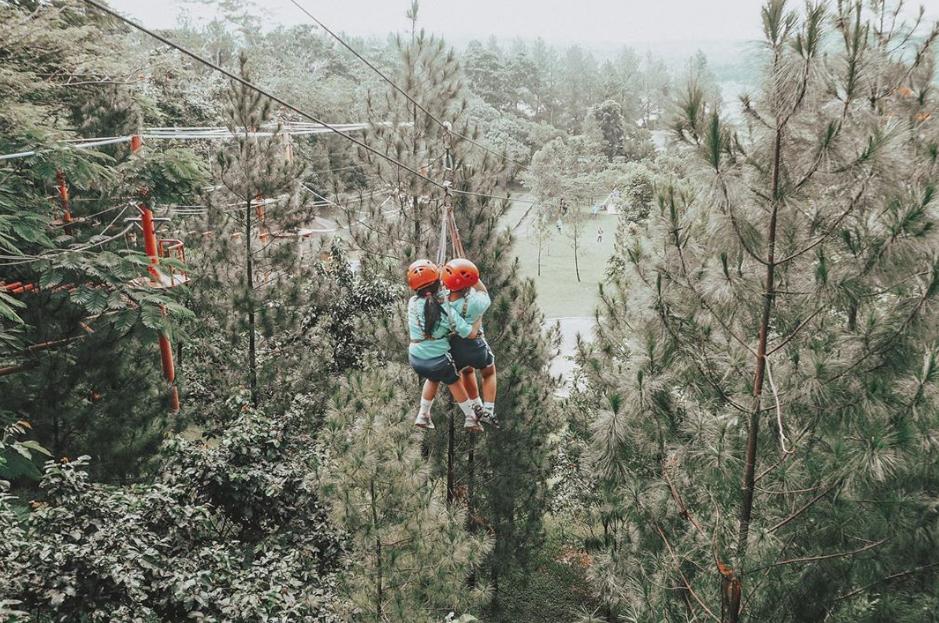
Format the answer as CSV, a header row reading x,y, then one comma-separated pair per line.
x,y
152,249
173,247
64,197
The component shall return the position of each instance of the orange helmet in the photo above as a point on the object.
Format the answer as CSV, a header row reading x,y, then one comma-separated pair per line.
x,y
460,274
422,273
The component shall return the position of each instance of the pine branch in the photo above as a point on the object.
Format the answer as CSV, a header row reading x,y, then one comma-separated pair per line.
x,y
889,578
805,507
795,331
791,561
719,318
684,579
834,226
736,226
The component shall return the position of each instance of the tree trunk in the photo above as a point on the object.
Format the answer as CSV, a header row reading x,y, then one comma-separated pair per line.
x,y
450,435
732,598
470,492
494,580
540,246
576,258
379,587
252,346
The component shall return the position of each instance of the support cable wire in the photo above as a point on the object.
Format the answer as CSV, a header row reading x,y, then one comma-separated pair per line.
x,y
259,90
85,145
384,77
207,134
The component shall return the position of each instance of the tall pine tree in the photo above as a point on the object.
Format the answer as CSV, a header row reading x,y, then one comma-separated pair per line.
x,y
765,369
503,476
411,554
251,276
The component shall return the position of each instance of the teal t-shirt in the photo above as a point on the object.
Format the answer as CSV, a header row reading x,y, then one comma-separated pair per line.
x,y
437,342
471,306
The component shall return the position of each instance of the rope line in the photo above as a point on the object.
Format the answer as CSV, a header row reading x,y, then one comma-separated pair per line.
x,y
399,89
207,134
258,89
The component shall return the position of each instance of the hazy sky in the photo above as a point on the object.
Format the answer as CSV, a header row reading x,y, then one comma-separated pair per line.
x,y
589,21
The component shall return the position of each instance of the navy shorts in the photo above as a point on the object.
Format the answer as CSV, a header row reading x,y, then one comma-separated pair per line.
x,y
469,353
440,369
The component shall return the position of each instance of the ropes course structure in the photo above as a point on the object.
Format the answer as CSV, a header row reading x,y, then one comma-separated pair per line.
x,y
207,134
157,248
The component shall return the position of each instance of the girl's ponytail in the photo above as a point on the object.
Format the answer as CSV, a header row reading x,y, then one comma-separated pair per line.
x,y
432,308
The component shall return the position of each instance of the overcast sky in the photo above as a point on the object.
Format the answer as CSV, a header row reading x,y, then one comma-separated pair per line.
x,y
600,22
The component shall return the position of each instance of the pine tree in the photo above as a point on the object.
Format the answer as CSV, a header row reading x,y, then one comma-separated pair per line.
x,y
410,552
765,364
503,476
250,271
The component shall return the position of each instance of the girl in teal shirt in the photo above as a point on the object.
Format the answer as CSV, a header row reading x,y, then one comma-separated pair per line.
x,y
430,323
468,299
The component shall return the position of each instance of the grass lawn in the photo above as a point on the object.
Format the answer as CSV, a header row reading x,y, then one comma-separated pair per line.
x,y
559,292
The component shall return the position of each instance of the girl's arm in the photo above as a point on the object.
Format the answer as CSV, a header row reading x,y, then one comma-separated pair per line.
x,y
458,323
479,285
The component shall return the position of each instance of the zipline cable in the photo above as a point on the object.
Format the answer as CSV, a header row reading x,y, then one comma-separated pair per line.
x,y
503,197
207,134
400,90
86,145
258,89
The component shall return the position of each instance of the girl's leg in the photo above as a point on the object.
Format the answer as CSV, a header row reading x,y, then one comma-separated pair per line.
x,y
430,390
489,394
489,384
471,411
428,393
458,392
469,382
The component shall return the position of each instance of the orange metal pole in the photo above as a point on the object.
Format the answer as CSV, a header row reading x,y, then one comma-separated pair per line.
x,y
64,197
150,241
152,250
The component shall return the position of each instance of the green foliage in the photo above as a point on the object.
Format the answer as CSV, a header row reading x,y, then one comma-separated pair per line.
x,y
810,234
19,458
410,555
553,588
231,531
313,336
83,330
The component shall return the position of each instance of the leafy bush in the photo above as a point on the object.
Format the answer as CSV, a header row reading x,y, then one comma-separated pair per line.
x,y
228,532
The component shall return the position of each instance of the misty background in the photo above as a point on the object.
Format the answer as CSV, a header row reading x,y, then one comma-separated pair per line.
x,y
672,29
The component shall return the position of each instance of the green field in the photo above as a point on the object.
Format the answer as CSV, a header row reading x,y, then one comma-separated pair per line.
x,y
559,292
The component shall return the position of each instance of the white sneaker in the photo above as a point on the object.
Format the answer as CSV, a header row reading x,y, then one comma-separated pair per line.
x,y
423,421
471,423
